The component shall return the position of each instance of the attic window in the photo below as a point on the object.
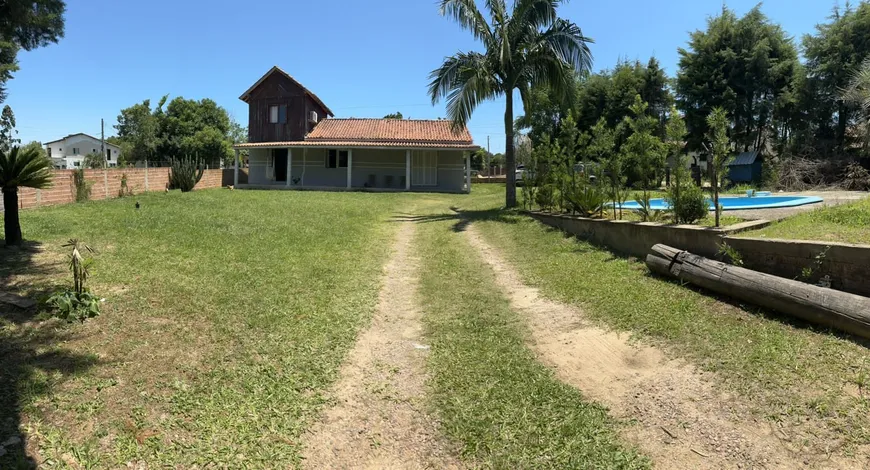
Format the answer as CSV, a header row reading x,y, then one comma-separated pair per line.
x,y
278,114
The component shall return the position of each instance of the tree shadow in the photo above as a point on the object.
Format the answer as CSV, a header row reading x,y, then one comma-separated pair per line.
x,y
32,363
462,218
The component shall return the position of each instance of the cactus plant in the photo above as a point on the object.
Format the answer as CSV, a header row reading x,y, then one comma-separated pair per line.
x,y
185,173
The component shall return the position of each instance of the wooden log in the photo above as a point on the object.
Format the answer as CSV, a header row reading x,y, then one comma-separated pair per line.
x,y
827,307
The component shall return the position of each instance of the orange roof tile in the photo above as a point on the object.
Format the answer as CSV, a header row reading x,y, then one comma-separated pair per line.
x,y
399,133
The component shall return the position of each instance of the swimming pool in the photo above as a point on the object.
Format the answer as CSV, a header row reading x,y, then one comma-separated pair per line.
x,y
739,203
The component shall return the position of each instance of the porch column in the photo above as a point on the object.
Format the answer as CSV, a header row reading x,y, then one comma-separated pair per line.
x,y
289,166
349,166
407,170
235,169
304,157
467,171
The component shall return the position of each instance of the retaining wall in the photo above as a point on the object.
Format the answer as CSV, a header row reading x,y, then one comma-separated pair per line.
x,y
847,265
106,184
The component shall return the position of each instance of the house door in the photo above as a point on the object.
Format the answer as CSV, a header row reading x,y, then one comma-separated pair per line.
x,y
424,168
280,160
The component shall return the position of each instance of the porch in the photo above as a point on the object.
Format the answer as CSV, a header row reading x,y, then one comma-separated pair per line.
x,y
356,169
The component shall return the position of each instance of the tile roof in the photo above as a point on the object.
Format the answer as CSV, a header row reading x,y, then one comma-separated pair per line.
x,y
400,133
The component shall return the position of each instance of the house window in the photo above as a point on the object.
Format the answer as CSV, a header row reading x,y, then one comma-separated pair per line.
x,y
278,114
75,151
49,152
336,159
108,155
77,163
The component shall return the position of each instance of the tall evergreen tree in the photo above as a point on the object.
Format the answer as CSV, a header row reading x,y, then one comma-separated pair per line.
x,y
747,66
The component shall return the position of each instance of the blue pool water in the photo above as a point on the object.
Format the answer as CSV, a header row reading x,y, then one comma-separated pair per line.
x,y
740,203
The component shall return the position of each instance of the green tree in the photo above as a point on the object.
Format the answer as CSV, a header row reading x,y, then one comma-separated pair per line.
x,y
20,168
644,152
196,128
832,55
747,66
720,152
7,129
35,146
396,115
675,130
857,93
26,24
94,161
525,47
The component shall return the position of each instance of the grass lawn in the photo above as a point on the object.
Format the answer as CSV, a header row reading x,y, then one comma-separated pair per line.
x,y
491,394
788,370
227,315
848,223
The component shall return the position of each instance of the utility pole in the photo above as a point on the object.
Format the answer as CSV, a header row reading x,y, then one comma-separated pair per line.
x,y
103,143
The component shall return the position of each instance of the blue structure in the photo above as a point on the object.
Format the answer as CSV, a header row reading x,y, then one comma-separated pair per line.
x,y
746,168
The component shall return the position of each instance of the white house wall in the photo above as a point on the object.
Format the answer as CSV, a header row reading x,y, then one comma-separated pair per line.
x,y
366,163
85,145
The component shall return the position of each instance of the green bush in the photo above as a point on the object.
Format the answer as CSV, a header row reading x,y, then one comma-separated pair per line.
x,y
185,173
83,187
646,212
546,197
692,205
587,200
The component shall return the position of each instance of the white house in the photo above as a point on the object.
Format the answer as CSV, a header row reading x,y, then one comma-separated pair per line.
x,y
70,151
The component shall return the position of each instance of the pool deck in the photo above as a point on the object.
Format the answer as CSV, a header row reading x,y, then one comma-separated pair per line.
x,y
831,198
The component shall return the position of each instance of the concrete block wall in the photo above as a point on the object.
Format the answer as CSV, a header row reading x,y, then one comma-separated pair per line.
x,y
847,265
106,184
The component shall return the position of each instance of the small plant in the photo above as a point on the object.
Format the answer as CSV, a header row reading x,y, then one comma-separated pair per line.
x,y
729,254
125,190
646,212
78,303
807,272
689,204
83,187
587,200
545,197
185,173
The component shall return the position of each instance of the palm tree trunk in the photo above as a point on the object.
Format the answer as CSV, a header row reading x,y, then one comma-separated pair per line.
x,y
509,155
12,226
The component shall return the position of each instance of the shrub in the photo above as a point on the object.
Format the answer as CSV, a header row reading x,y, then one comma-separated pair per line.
x,y
692,205
78,303
646,212
83,187
545,197
125,190
185,173
587,200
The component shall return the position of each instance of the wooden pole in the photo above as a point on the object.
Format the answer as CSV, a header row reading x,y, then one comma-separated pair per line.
x,y
818,305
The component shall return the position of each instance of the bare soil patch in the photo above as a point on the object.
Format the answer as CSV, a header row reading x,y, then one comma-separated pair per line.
x,y
379,418
675,413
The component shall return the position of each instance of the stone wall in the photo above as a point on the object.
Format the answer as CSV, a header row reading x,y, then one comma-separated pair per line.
x,y
848,266
106,184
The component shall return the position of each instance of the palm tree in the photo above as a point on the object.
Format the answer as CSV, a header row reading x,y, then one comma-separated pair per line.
x,y
20,168
857,92
528,48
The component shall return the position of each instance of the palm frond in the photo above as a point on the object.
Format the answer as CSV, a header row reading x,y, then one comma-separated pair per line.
x,y
466,13
535,13
566,40
466,80
24,168
857,92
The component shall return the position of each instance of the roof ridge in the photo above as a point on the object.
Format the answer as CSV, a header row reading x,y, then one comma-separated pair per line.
x,y
386,119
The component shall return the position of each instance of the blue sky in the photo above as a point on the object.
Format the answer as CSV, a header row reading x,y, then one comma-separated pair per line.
x,y
362,61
